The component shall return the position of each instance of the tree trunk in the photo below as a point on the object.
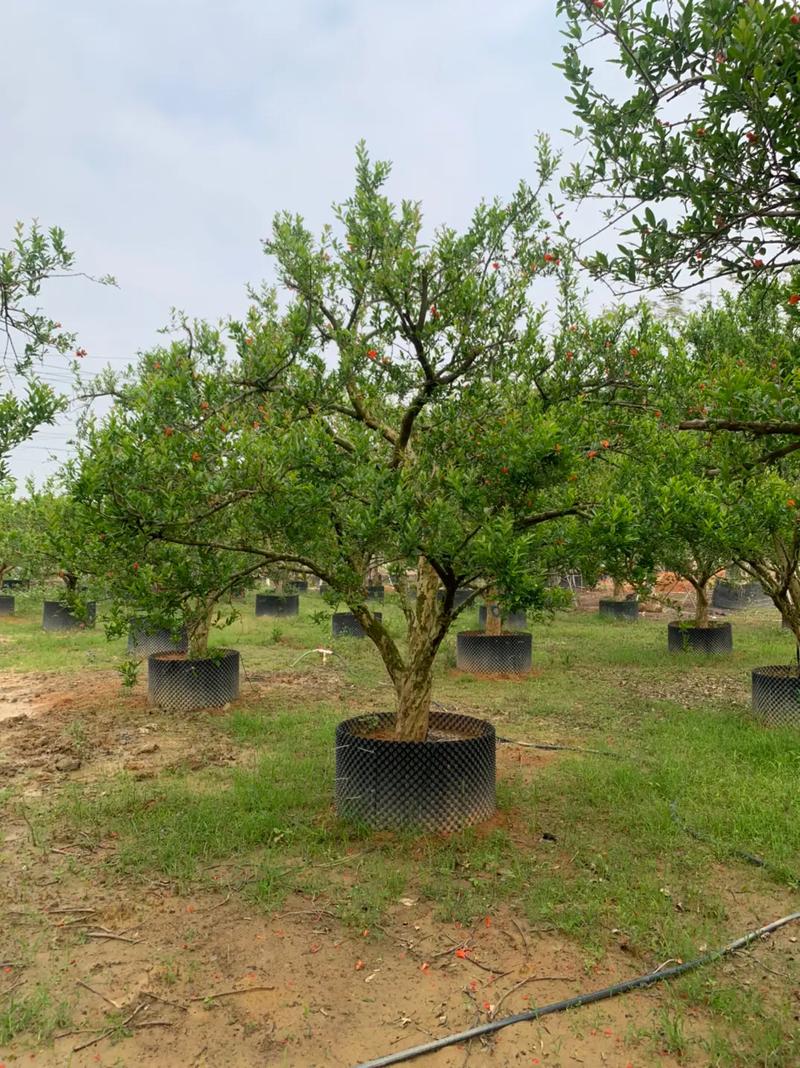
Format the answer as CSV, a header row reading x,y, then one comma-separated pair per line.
x,y
494,617
413,692
199,631
411,677
702,603
619,590
414,683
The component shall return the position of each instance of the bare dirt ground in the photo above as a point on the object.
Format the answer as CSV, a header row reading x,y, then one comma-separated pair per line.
x,y
209,981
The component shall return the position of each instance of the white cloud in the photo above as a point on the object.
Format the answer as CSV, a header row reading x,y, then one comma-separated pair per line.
x,y
163,137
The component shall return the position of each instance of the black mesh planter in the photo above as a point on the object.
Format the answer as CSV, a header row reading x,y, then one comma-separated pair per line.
x,y
57,616
345,625
714,640
145,641
627,611
274,604
442,784
6,606
746,595
181,685
493,654
461,594
514,620
375,593
776,695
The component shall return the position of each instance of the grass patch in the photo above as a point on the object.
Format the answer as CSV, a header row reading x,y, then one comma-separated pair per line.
x,y
584,844
34,1015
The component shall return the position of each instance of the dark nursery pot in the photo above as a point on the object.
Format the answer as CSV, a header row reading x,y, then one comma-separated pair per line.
x,y
445,783
345,625
56,616
144,641
461,594
514,620
776,695
716,639
627,611
6,606
16,584
273,604
493,654
297,586
181,685
375,593
748,595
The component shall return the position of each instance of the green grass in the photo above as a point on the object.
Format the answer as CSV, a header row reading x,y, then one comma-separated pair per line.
x,y
620,861
35,1016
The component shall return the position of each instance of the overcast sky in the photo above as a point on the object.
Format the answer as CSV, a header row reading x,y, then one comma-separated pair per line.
x,y
164,135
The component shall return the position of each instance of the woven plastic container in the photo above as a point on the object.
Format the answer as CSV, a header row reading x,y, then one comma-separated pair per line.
x,y
493,654
442,784
273,604
56,616
345,625
714,640
512,621
6,605
776,695
181,685
145,641
626,611
731,597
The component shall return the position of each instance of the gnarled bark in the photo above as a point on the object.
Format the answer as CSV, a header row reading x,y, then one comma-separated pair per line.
x,y
494,617
702,603
412,675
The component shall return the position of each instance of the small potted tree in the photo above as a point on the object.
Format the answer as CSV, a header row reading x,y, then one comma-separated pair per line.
x,y
688,524
53,554
137,469
770,555
13,525
279,603
617,541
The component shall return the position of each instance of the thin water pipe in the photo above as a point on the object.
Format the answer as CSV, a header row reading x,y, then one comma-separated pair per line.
x,y
656,976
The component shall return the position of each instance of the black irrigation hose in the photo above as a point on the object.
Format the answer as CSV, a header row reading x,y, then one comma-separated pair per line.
x,y
581,999
733,851
558,748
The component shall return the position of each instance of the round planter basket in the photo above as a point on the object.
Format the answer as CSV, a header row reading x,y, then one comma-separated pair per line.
x,y
442,784
747,595
513,621
57,616
375,593
273,604
714,640
345,625
144,641
181,685
627,611
6,605
493,654
776,695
